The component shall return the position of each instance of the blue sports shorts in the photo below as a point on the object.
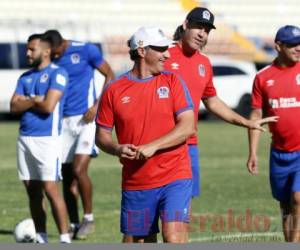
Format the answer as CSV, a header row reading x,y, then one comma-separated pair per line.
x,y
194,156
284,174
141,209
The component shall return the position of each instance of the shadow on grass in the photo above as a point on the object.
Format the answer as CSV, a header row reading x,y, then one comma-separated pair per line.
x,y
6,232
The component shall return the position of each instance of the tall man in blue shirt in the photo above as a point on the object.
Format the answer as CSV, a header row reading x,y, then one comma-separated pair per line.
x,y
79,59
39,96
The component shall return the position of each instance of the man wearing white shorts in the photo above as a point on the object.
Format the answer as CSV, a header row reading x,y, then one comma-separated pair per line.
x,y
78,138
34,163
39,96
80,60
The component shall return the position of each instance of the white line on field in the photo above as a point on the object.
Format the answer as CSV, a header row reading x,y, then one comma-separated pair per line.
x,y
232,236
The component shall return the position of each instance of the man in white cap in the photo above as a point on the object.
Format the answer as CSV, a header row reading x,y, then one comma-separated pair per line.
x,y
152,113
276,91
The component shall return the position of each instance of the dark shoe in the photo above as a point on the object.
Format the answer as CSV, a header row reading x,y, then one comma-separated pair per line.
x,y
73,232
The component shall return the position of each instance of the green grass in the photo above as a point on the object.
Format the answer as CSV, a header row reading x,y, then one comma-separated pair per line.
x,y
226,186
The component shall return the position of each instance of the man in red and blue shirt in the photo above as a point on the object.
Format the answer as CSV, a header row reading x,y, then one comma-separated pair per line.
x,y
276,91
152,113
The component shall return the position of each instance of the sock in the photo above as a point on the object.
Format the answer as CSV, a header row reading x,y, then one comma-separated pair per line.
x,y
41,237
88,217
65,238
74,225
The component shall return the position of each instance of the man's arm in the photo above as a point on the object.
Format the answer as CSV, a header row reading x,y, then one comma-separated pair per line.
x,y
184,128
253,137
105,142
107,72
47,104
220,109
20,103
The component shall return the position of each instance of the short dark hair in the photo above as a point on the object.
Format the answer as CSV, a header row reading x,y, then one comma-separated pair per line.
x,y
41,37
47,40
54,37
132,53
178,33
34,36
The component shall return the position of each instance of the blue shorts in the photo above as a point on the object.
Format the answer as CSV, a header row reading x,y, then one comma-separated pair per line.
x,y
284,174
194,156
141,209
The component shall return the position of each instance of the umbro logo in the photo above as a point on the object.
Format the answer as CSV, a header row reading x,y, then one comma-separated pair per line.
x,y
125,99
270,83
175,65
28,80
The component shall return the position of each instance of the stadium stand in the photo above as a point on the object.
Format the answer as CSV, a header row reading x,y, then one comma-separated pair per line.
x,y
244,29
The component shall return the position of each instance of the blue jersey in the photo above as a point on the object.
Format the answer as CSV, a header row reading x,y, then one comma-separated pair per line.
x,y
80,60
37,83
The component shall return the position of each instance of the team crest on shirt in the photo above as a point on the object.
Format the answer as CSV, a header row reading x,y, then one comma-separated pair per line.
x,y
44,78
274,104
75,58
201,70
163,92
298,79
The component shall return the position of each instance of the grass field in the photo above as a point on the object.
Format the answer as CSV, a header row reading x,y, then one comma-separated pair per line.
x,y
234,206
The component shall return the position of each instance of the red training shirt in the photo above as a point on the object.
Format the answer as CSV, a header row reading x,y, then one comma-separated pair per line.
x,y
142,111
196,71
277,91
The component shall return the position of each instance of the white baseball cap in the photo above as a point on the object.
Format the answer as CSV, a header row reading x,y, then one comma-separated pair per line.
x,y
146,36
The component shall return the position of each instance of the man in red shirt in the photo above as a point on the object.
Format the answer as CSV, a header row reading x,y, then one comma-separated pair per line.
x,y
195,68
152,113
276,91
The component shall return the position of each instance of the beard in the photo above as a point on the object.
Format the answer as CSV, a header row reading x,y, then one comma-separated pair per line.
x,y
35,62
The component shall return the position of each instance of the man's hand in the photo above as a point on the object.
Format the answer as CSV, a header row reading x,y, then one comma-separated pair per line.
x,y
252,164
127,151
38,98
258,123
90,115
145,151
